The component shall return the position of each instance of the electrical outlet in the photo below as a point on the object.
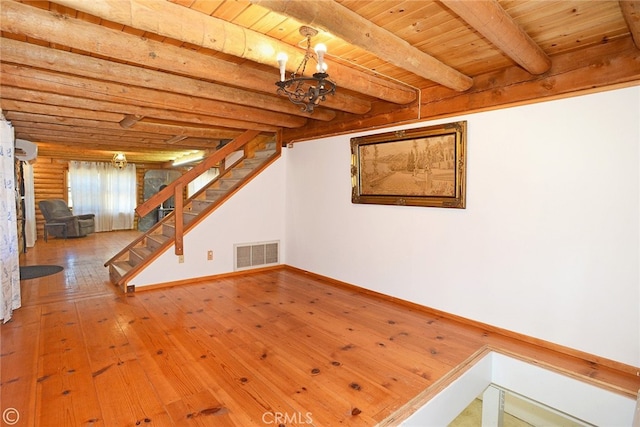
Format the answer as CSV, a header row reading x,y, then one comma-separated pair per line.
x,y
180,259
210,255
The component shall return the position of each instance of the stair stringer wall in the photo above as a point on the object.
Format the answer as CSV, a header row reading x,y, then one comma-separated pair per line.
x,y
255,213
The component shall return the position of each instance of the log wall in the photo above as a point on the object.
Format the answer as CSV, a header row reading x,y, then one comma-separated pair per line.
x,y
50,182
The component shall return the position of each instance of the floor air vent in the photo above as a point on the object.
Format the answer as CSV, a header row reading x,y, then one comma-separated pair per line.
x,y
256,254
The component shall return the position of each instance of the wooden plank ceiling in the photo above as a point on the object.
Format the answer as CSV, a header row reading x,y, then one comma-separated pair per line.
x,y
160,79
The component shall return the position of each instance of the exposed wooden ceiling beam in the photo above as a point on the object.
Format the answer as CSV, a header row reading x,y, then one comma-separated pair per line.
x,y
58,110
149,152
489,19
47,131
86,66
206,31
55,101
53,82
151,128
77,145
354,29
81,152
74,143
66,134
631,11
608,65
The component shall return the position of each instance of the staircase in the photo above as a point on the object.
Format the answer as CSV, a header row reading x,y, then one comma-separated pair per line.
x,y
125,265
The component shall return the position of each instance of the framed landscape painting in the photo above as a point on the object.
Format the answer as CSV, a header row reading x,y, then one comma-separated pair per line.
x,y
415,167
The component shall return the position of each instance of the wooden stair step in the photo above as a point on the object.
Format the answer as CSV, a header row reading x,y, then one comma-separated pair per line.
x,y
169,229
252,162
187,216
227,183
261,154
154,241
138,254
200,205
122,267
214,194
241,172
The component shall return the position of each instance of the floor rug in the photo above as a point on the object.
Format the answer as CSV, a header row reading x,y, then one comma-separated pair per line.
x,y
35,271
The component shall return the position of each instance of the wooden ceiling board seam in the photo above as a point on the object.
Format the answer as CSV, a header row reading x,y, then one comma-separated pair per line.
x,y
250,16
545,26
381,12
229,10
205,6
89,18
407,24
287,29
185,3
268,22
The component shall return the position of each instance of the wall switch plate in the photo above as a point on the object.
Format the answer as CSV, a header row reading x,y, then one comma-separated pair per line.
x,y
210,255
180,259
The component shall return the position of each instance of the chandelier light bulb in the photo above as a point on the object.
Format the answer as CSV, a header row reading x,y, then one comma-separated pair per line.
x,y
282,63
321,49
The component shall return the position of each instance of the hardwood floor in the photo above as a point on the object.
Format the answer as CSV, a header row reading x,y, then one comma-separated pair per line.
x,y
277,347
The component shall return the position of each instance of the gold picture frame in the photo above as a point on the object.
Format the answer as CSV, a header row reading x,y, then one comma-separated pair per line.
x,y
415,167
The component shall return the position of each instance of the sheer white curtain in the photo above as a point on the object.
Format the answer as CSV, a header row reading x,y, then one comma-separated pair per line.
x,y
9,257
105,191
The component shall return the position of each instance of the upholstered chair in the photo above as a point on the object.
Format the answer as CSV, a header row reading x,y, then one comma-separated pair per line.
x,y
61,222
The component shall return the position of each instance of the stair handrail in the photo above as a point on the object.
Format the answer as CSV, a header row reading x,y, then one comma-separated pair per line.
x,y
157,225
224,169
207,163
176,188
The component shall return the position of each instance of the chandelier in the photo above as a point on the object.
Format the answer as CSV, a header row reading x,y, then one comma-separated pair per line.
x,y
119,161
306,91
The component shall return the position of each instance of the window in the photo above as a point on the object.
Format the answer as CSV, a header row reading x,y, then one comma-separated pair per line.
x,y
105,191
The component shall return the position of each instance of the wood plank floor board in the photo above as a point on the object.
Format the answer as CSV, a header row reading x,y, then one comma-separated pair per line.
x,y
307,342
266,313
203,409
262,318
359,336
278,368
218,358
19,355
66,397
273,347
115,366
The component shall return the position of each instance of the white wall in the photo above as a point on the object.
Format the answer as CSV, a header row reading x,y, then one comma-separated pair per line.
x,y
548,245
254,214
551,400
